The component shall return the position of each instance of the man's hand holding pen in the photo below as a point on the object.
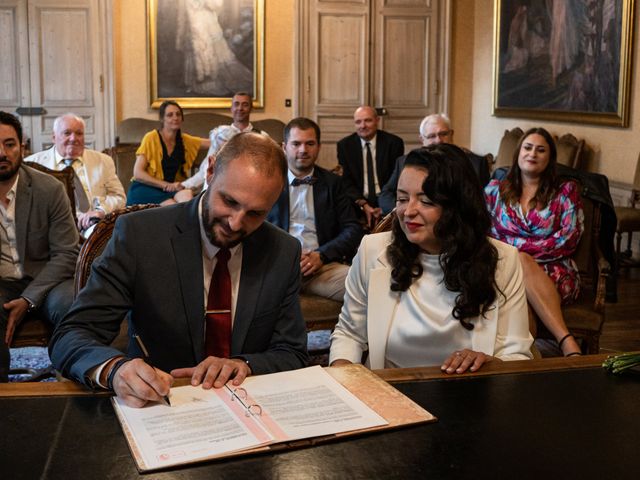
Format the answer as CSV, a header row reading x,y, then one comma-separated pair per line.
x,y
137,383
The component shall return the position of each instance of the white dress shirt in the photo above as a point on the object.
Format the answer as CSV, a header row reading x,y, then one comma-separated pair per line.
x,y
302,215
10,266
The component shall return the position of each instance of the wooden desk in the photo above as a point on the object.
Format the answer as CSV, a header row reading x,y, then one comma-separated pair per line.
x,y
564,418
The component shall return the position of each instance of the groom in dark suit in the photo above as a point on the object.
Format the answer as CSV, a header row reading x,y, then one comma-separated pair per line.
x,y
368,157
162,268
315,209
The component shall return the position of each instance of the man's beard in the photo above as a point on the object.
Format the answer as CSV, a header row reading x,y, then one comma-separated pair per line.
x,y
6,174
210,223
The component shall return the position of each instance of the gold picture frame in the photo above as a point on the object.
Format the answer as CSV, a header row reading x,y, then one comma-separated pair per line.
x,y
563,61
202,51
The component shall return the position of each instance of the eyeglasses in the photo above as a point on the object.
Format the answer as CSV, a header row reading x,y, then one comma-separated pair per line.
x,y
443,134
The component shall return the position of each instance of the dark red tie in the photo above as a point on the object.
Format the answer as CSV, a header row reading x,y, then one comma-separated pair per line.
x,y
217,341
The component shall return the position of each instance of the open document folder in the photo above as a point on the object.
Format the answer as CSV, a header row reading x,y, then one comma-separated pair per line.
x,y
265,410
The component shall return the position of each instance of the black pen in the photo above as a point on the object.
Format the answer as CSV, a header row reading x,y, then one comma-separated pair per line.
x,y
145,354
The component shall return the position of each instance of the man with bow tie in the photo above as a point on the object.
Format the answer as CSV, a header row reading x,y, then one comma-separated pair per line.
x,y
98,190
315,209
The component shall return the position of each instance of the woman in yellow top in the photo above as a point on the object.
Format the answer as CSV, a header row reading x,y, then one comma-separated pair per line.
x,y
164,160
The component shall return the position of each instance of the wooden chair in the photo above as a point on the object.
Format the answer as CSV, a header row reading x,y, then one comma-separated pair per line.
x,y
66,176
628,222
93,247
585,317
570,151
508,145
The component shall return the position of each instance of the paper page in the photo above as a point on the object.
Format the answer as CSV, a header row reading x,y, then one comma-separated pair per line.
x,y
308,403
199,424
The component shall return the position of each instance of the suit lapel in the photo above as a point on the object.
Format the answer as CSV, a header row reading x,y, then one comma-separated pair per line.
x,y
24,197
381,154
254,267
320,204
187,249
357,157
283,209
381,303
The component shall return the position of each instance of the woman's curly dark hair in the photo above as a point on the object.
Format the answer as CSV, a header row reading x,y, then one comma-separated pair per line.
x,y
511,186
467,257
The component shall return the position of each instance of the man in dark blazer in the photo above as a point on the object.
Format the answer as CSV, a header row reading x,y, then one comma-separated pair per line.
x,y
315,209
156,269
38,241
434,130
353,152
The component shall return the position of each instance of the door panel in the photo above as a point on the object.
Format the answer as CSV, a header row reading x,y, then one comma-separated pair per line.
x,y
14,58
51,54
405,70
389,54
64,52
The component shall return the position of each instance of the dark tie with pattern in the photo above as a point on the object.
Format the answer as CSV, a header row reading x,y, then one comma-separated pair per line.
x,y
82,202
308,180
218,314
371,180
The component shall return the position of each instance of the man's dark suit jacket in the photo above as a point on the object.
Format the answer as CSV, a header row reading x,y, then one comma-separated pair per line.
x,y
337,227
388,148
152,270
387,197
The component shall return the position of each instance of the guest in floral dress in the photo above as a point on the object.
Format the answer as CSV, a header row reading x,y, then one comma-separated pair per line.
x,y
542,217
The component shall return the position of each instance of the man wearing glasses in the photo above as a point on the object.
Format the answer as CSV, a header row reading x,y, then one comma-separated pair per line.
x,y
434,130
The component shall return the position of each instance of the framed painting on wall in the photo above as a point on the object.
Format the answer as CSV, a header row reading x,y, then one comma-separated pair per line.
x,y
202,51
566,60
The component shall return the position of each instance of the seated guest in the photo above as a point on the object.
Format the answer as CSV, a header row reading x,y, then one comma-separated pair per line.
x,y
98,189
38,241
210,288
222,135
434,130
164,160
315,210
435,290
367,158
241,113
542,217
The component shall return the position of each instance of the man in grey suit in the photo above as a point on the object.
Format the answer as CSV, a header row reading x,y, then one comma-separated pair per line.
x,y
38,241
156,268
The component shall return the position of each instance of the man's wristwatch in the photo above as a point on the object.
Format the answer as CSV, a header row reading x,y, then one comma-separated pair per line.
x,y
30,305
323,258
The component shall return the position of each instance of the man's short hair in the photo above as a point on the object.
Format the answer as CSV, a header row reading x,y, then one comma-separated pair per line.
x,y
11,120
265,154
301,123
434,118
57,123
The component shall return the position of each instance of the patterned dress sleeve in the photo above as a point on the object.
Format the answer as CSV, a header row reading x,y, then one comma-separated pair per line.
x,y
560,226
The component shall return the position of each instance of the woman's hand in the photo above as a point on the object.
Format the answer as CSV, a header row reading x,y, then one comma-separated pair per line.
x,y
462,360
173,187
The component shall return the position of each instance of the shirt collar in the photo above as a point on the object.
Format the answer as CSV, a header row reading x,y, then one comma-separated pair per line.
x,y
363,142
291,176
11,194
59,159
209,250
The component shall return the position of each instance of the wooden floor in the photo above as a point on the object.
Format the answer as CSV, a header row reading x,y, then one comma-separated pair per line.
x,y
621,331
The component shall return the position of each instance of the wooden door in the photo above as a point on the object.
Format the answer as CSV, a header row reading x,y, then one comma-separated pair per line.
x,y
391,54
59,50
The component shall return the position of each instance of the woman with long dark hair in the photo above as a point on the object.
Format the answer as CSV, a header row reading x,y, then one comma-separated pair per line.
x,y
435,290
164,160
540,215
